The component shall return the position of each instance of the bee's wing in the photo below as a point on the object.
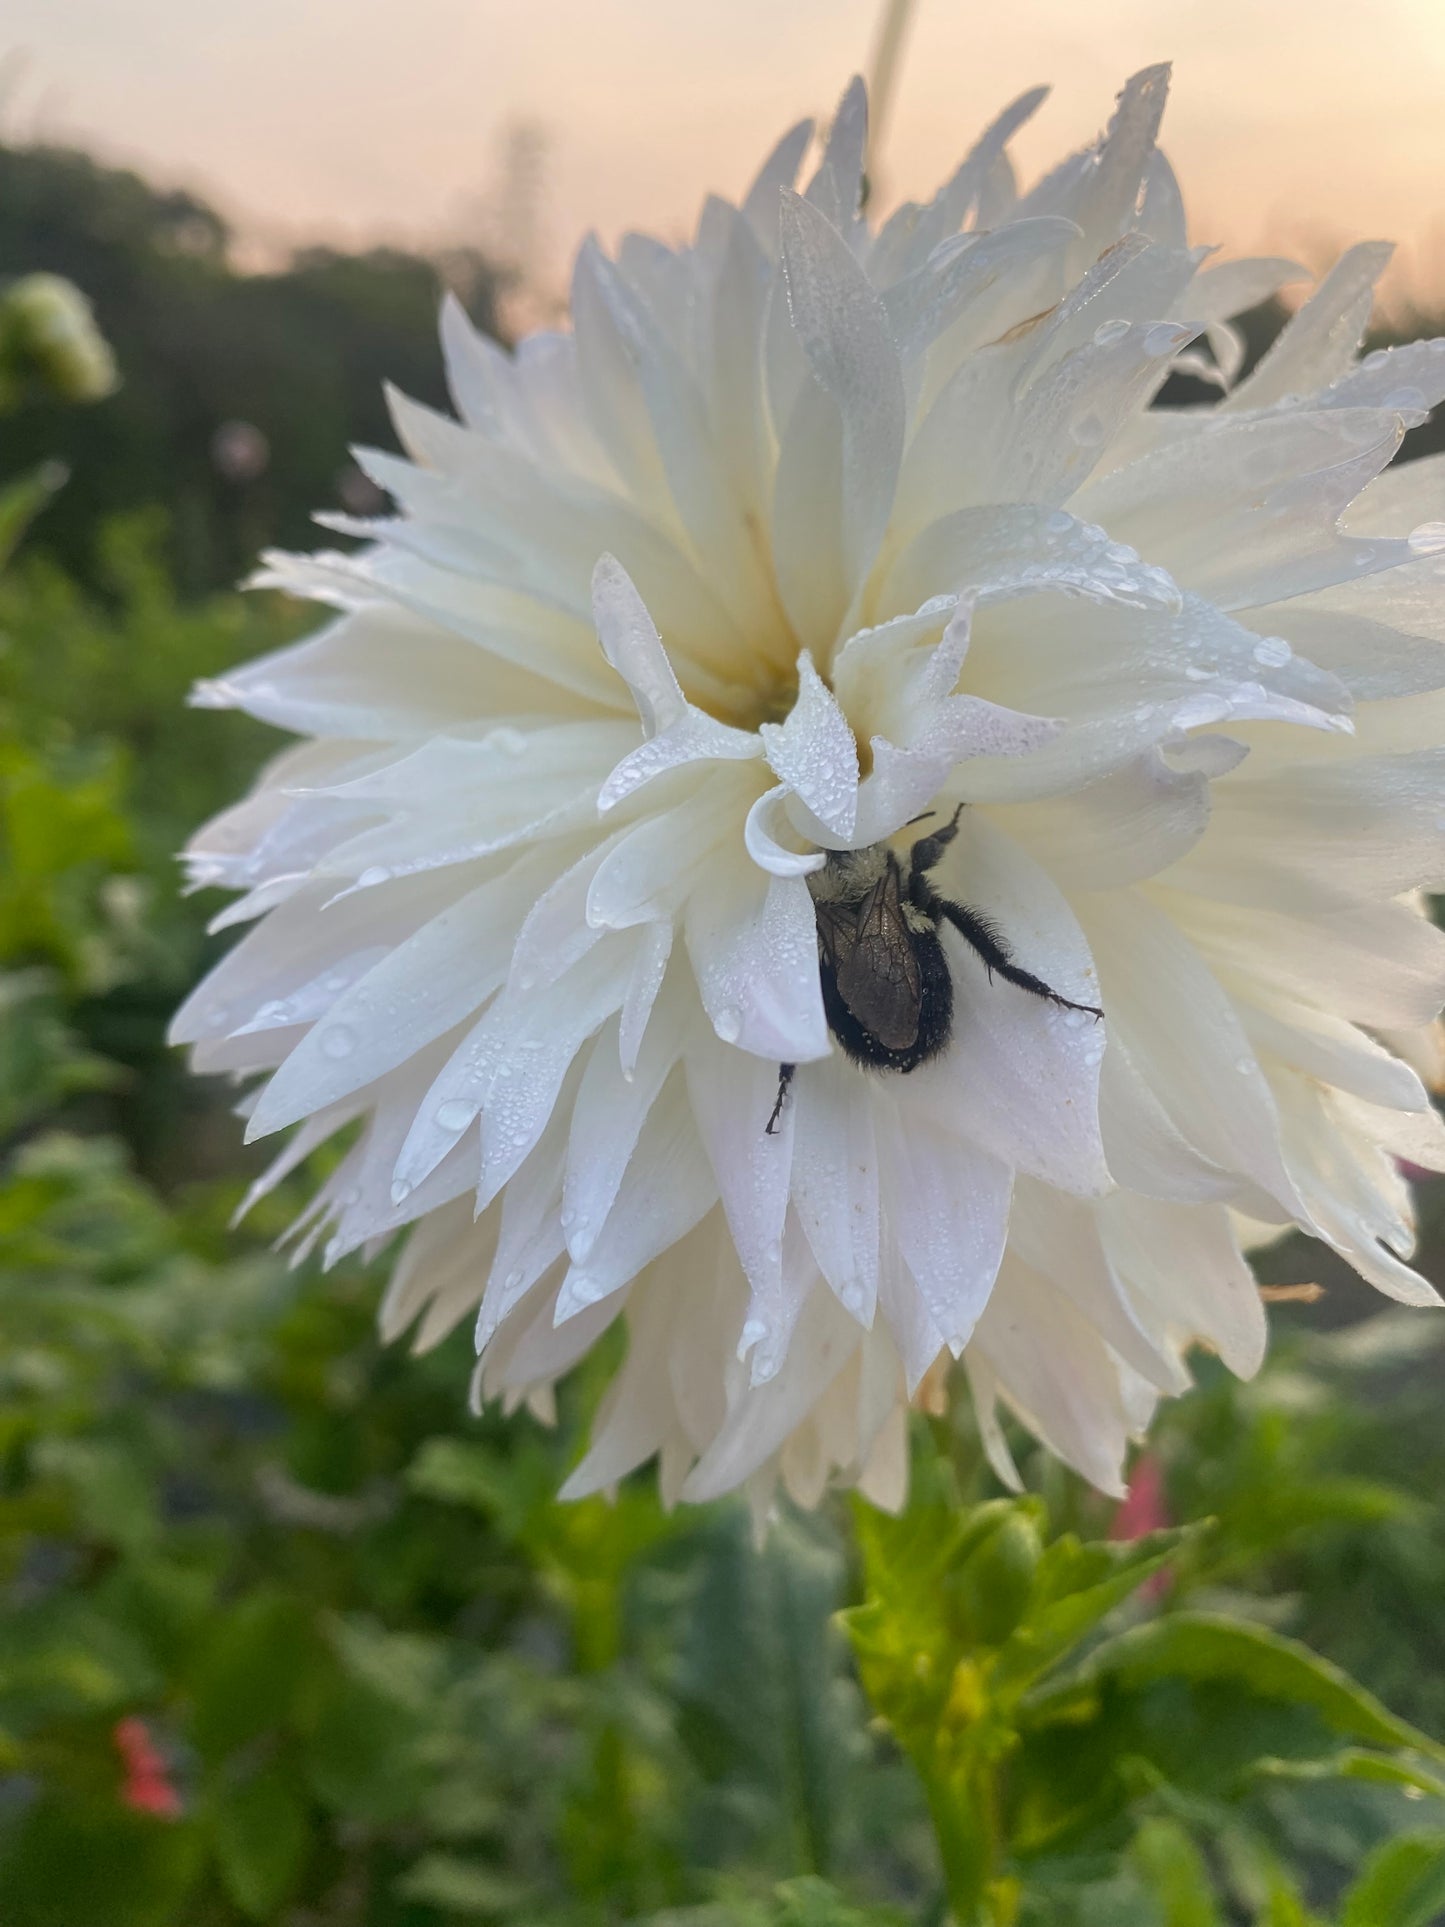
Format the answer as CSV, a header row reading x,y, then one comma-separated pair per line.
x,y
875,967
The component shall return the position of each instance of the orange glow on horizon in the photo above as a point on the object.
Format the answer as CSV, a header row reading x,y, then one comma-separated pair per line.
x,y
1296,125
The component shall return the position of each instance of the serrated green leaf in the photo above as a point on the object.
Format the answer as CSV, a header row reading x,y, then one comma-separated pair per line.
x,y
1402,1884
1199,1647
1077,1587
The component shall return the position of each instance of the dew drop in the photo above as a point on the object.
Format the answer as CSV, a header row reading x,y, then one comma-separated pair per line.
x,y
581,1241
368,880
1428,539
1163,339
510,741
1272,652
338,1041
1407,398
1109,332
1376,359
1059,522
1088,431
454,1115
728,1024
400,1191
514,1278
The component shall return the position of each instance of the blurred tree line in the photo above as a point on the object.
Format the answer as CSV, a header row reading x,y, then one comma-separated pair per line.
x,y
241,392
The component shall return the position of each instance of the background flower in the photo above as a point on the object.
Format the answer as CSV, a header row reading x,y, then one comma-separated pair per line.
x,y
887,524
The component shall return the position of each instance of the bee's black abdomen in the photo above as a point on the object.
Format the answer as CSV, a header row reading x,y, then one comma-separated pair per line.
x,y
935,1013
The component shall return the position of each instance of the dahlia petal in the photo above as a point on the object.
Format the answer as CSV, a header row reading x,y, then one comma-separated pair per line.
x,y
1017,1046
1318,344
763,845
815,754
1186,1277
1184,1038
753,944
732,1096
632,645
1057,1374
1061,1239
949,1217
1119,830
857,365
835,1182
910,235
778,171
607,1119
837,187
766,1414
665,1188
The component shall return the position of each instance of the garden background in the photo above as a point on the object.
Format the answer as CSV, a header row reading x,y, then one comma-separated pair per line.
x,y
285,1635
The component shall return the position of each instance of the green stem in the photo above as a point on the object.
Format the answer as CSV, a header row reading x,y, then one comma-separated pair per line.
x,y
964,1815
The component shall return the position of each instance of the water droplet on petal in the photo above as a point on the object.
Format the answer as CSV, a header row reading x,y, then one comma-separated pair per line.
x,y
1272,652
510,741
1428,539
368,880
728,1024
1164,338
400,1191
1407,398
1110,331
454,1115
1059,522
1377,359
338,1041
1088,431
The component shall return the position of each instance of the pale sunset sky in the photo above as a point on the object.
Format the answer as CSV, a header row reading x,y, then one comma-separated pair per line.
x,y
1295,124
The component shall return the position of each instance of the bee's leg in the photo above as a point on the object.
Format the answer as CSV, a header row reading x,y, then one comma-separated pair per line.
x,y
997,957
785,1078
928,849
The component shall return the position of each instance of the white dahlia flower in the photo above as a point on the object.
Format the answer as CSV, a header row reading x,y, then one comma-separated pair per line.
x,y
872,526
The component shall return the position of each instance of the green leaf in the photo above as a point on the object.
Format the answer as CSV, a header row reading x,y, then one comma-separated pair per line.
x,y
1201,1647
1402,1884
1354,1763
261,1834
1173,1870
1077,1587
765,1707
81,1863
253,1671
22,501
464,1887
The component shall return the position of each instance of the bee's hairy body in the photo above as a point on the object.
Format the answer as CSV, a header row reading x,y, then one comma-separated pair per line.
x,y
887,989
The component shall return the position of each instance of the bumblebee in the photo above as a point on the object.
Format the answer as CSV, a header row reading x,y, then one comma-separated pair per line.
x,y
887,991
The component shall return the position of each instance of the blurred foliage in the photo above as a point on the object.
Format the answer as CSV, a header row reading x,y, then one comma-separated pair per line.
x,y
286,1637
240,393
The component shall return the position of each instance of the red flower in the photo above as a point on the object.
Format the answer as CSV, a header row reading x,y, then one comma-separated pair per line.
x,y
1144,1508
147,1785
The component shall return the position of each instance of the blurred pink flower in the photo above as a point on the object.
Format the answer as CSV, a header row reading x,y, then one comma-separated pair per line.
x,y
1144,1508
147,1786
